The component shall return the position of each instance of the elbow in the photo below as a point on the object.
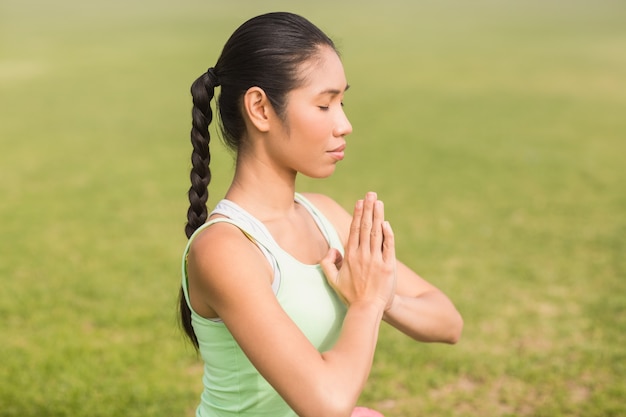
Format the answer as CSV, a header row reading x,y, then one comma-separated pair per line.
x,y
339,410
337,406
455,329
330,408
328,401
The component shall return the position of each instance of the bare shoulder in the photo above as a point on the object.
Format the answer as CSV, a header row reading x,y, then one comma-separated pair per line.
x,y
218,248
216,271
338,215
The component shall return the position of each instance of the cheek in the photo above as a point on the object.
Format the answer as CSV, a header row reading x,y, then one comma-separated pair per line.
x,y
311,125
308,120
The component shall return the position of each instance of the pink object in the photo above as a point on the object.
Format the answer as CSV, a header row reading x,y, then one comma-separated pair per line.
x,y
365,412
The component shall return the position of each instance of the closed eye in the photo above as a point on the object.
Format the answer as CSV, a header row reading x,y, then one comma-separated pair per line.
x,y
324,108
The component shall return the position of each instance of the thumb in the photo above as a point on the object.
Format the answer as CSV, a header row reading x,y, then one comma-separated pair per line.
x,y
331,264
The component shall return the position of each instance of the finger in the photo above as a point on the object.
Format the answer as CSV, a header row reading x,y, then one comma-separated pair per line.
x,y
355,226
330,264
389,245
376,239
366,220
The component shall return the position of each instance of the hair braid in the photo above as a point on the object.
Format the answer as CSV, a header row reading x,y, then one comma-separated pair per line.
x,y
202,92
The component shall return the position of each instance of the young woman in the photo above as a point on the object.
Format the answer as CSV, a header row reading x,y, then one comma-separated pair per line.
x,y
283,293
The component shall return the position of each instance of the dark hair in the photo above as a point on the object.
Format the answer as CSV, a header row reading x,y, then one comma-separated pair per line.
x,y
265,52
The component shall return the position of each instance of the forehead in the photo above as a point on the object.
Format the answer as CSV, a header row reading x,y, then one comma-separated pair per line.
x,y
324,72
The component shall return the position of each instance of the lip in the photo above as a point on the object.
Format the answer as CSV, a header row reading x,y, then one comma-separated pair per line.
x,y
338,152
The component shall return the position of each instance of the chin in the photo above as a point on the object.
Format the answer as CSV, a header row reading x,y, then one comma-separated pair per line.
x,y
319,174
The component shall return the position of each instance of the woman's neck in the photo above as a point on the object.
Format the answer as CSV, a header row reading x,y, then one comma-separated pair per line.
x,y
262,190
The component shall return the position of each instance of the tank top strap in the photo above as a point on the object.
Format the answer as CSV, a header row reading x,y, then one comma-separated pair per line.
x,y
325,226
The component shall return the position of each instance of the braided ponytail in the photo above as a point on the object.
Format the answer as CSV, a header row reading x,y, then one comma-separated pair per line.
x,y
202,92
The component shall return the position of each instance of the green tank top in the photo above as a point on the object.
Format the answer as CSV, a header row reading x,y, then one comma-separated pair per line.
x,y
232,385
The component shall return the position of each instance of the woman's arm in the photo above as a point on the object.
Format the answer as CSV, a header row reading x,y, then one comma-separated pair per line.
x,y
422,311
239,292
418,308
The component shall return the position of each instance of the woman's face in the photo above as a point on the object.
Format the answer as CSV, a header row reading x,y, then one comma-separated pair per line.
x,y
312,138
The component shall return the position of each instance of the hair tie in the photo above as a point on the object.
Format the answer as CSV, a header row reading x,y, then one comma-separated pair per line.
x,y
213,76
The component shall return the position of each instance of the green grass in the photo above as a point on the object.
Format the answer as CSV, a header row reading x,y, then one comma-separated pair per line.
x,y
494,131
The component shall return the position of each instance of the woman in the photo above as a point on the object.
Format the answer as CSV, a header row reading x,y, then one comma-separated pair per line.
x,y
285,320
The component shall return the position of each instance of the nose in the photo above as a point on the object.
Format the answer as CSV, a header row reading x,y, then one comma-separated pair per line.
x,y
343,126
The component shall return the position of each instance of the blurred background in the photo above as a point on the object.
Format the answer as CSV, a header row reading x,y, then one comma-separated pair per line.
x,y
493,130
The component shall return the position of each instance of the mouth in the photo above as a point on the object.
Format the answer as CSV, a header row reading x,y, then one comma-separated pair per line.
x,y
338,152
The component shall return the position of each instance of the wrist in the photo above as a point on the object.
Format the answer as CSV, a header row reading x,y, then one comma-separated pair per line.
x,y
374,306
393,306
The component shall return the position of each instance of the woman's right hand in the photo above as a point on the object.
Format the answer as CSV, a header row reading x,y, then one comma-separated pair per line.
x,y
367,272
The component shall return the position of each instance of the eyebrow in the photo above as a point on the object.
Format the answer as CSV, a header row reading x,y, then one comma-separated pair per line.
x,y
334,92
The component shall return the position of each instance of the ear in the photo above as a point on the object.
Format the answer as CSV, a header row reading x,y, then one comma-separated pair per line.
x,y
258,108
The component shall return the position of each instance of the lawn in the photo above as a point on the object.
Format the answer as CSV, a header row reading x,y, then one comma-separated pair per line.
x,y
495,132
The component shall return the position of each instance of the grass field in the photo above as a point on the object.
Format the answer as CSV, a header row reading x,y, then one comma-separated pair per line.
x,y
495,132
